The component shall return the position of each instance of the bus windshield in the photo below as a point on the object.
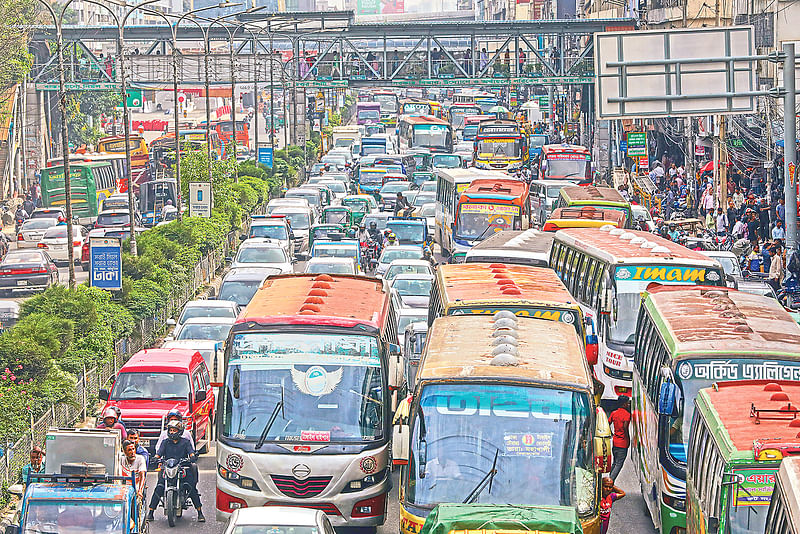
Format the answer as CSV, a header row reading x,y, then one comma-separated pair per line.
x,y
478,221
319,387
431,136
388,103
371,177
540,438
566,166
469,132
499,148
372,114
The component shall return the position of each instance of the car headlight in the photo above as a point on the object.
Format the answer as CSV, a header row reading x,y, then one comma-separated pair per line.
x,y
366,482
237,479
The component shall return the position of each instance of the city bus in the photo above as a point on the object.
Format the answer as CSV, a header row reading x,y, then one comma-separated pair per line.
x,y
486,288
688,339
456,114
471,123
488,206
194,139
450,183
368,112
117,161
784,510
529,247
520,419
90,184
740,433
140,157
421,107
606,269
583,217
224,129
305,411
500,144
427,132
566,162
389,104
573,196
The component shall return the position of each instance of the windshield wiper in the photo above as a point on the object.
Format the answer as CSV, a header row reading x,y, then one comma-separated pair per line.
x,y
487,479
278,407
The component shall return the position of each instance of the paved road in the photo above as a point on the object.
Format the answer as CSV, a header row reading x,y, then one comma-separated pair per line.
x,y
63,275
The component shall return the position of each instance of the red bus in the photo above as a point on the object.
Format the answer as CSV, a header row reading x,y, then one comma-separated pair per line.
x,y
225,128
566,162
308,369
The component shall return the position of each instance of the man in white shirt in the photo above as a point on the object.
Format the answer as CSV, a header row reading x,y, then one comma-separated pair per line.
x,y
775,269
133,463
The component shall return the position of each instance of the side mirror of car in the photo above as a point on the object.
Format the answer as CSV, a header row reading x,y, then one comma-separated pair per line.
x,y
103,394
171,322
242,237
12,529
16,489
200,396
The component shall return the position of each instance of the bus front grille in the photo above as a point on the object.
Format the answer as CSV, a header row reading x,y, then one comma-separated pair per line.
x,y
300,489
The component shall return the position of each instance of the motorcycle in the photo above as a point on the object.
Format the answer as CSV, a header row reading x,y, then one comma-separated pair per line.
x,y
370,252
176,490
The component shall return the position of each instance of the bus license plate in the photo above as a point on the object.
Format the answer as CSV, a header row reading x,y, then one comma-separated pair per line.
x,y
22,282
144,442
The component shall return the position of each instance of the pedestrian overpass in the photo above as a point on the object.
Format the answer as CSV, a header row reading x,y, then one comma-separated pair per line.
x,y
326,50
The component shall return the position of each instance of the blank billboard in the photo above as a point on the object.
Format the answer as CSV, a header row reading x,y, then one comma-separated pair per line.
x,y
669,73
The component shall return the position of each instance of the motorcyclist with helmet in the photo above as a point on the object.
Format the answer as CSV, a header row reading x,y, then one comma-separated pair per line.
x,y
427,255
173,415
111,421
391,239
362,235
176,447
374,233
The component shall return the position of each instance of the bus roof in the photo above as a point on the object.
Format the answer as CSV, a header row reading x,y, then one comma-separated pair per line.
x,y
616,245
583,217
547,149
531,240
748,417
460,175
336,300
468,283
722,321
75,163
500,188
582,193
417,120
461,348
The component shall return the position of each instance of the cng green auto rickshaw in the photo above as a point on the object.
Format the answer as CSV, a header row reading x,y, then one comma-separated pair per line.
x,y
359,205
338,215
321,231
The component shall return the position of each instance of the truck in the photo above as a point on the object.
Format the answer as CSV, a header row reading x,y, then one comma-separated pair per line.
x,y
348,137
82,488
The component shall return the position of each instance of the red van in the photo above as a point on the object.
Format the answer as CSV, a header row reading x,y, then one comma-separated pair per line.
x,y
155,381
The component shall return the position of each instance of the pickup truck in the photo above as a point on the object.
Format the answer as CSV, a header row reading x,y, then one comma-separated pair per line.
x,y
82,488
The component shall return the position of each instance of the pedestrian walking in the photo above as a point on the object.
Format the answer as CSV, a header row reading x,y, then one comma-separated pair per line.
x,y
610,493
620,419
775,269
484,59
468,61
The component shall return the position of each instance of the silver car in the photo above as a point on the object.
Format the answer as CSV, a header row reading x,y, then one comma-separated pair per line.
x,y
32,231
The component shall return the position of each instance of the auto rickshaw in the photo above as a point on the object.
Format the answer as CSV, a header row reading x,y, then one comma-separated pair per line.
x,y
321,231
338,215
359,205
422,158
420,177
492,519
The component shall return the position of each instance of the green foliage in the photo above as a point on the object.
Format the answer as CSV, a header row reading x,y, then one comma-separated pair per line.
x,y
83,115
15,60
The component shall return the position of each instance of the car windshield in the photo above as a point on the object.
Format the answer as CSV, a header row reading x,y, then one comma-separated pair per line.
x,y
74,517
390,255
574,167
39,224
380,222
446,161
535,437
315,386
261,255
271,231
406,320
413,287
408,232
729,265
298,220
150,386
239,291
367,150
396,270
312,197
191,312
336,186
394,187
14,258
427,210
334,251
56,232
373,129
330,268
422,199
211,332
479,221
113,219
371,177
274,529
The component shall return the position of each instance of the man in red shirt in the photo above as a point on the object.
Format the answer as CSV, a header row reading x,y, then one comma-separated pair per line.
x,y
621,420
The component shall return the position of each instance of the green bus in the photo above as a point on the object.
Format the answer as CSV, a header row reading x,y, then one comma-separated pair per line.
x,y
784,510
90,184
740,433
687,339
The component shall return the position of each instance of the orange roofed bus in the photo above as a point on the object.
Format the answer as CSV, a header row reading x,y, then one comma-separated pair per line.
x,y
305,410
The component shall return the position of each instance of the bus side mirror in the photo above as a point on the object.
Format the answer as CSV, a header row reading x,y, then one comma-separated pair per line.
x,y
395,366
16,489
713,525
667,399
401,433
423,457
602,442
12,529
592,349
102,394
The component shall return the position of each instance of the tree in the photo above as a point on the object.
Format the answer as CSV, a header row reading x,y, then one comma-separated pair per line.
x,y
15,60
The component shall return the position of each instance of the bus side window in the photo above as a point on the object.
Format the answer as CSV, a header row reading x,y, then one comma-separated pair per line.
x,y
433,303
597,285
561,262
567,266
577,271
554,251
587,279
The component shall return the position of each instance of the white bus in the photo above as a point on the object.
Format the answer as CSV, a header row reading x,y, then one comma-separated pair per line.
x,y
606,269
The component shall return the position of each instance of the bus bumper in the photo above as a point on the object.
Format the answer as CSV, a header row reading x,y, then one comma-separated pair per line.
x,y
615,371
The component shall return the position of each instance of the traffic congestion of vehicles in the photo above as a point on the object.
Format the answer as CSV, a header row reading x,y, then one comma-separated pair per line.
x,y
422,341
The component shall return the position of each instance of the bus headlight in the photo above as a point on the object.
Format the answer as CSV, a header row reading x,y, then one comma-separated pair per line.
x,y
237,479
366,482
618,374
675,503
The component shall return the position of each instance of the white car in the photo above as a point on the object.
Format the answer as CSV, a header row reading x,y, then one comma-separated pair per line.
x,y
206,308
641,215
32,231
276,203
407,316
429,212
331,266
274,228
428,186
262,253
412,290
338,188
464,147
397,252
276,519
203,328
301,219
55,242
398,267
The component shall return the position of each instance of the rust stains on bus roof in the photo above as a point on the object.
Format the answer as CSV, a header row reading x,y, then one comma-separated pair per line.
x,y
472,282
725,320
590,192
461,347
758,411
355,297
